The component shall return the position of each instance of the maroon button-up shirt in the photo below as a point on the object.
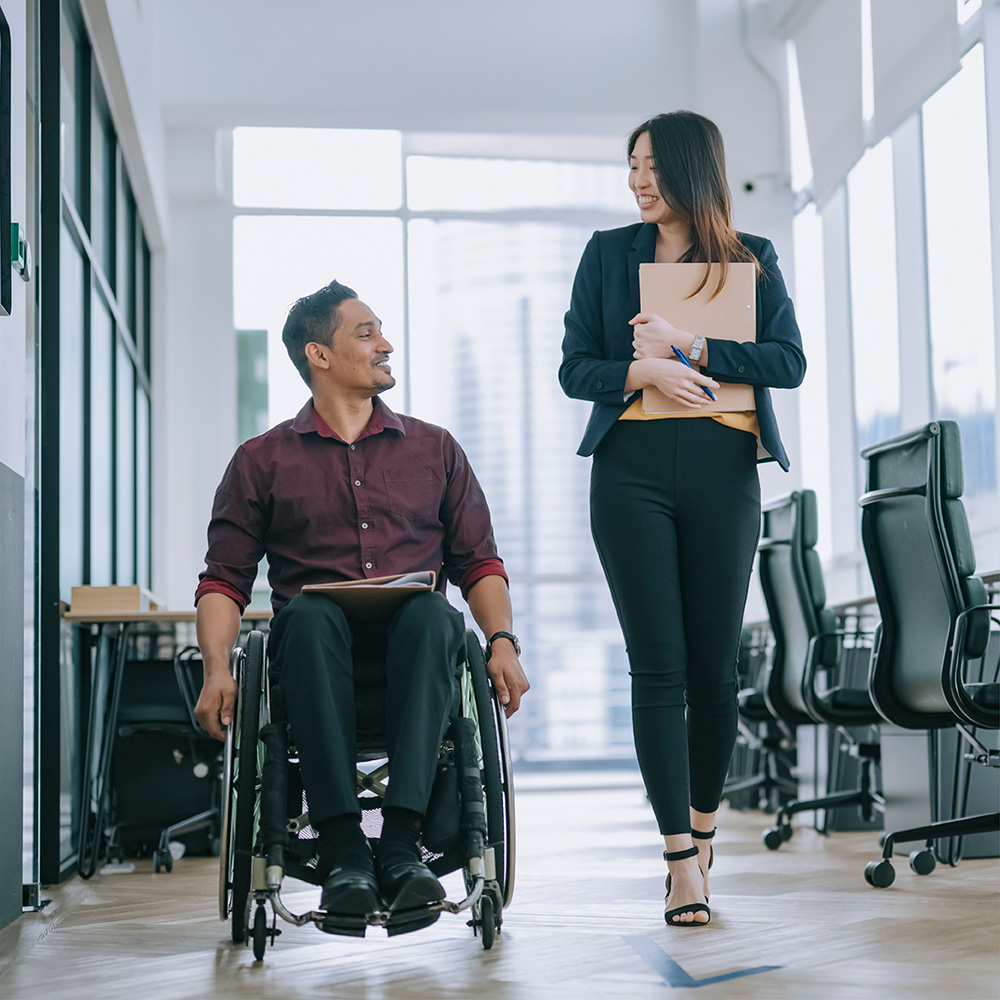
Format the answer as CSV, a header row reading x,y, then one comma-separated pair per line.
x,y
400,499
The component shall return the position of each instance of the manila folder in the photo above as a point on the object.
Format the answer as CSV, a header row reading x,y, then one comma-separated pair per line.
x,y
376,596
665,289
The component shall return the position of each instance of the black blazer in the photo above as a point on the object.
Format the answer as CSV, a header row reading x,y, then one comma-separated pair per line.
x,y
597,348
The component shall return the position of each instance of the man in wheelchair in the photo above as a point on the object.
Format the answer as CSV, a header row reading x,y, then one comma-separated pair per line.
x,y
350,490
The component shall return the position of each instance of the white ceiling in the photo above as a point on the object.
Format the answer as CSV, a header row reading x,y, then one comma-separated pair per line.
x,y
581,67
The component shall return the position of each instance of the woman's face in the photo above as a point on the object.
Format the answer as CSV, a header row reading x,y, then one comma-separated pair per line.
x,y
642,181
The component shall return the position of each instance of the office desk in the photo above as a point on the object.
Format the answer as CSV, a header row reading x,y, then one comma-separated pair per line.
x,y
113,632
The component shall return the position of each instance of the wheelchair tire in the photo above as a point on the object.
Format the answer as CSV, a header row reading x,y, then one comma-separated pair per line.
x,y
487,920
497,788
245,784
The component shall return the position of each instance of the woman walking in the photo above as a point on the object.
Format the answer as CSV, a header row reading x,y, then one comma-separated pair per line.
x,y
675,502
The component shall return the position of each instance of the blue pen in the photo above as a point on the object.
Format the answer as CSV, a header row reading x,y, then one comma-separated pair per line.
x,y
681,356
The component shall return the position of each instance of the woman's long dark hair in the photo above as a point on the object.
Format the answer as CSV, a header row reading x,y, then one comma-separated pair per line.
x,y
690,165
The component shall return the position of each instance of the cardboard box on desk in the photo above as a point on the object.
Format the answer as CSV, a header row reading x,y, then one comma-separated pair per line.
x,y
110,600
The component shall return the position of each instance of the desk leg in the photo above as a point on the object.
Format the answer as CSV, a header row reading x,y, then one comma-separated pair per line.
x,y
105,692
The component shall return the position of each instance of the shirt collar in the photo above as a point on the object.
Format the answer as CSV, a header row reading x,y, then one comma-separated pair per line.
x,y
308,421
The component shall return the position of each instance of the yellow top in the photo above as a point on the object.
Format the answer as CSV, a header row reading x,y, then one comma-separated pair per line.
x,y
742,420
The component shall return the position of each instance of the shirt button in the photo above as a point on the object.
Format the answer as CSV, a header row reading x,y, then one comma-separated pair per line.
x,y
600,385
364,524
368,565
352,448
357,482
741,369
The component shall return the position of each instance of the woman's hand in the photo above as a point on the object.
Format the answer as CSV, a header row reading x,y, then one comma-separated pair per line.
x,y
675,380
653,336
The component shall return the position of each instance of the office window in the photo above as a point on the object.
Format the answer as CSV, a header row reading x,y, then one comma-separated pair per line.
x,y
72,526
125,513
874,323
364,253
93,476
102,186
960,276
473,305
99,456
69,81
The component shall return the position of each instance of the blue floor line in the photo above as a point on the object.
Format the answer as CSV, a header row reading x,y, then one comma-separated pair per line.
x,y
672,973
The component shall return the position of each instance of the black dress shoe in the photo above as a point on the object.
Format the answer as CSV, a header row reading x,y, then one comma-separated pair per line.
x,y
408,886
350,893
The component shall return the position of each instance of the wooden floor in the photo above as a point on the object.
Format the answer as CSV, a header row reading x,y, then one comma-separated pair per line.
x,y
586,923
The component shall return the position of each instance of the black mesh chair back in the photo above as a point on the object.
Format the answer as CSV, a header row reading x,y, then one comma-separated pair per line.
x,y
919,550
792,581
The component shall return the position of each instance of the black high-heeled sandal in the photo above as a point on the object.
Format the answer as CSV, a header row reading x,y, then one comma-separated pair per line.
x,y
701,835
668,915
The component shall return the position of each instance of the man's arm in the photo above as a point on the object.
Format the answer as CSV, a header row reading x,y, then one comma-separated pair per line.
x,y
489,601
218,624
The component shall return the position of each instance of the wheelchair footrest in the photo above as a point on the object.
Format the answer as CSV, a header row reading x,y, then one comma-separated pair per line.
x,y
399,922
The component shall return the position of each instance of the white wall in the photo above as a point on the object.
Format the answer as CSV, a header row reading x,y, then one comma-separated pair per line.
x,y
194,359
13,328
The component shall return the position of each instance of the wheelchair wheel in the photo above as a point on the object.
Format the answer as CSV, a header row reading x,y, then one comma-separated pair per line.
x,y
496,765
240,789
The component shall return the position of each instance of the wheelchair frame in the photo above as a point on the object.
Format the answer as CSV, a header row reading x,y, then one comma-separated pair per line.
x,y
251,872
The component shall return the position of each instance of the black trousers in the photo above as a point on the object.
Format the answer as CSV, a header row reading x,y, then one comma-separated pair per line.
x,y
675,513
313,648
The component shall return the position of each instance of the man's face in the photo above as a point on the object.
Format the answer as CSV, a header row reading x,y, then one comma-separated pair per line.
x,y
358,362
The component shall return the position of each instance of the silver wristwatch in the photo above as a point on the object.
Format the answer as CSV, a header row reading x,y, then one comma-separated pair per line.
x,y
696,348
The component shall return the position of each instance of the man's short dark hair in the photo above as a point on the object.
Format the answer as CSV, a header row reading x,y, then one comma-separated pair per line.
x,y
314,318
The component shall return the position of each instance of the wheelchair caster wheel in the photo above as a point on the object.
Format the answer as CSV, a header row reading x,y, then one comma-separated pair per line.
x,y
880,874
260,932
163,860
922,862
773,838
487,919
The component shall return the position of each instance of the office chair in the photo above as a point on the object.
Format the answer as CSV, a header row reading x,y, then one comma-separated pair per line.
x,y
808,648
764,758
935,613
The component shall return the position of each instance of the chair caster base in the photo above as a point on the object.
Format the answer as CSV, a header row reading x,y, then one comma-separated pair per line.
x,y
880,874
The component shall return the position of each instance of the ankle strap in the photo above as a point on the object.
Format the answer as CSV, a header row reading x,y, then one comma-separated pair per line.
x,y
701,835
680,855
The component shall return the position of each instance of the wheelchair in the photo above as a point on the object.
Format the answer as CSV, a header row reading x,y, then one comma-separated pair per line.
x,y
265,824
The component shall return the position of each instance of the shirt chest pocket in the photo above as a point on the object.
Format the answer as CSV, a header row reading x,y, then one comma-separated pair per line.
x,y
413,495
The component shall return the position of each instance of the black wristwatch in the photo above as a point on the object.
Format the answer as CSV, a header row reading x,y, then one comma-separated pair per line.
x,y
502,635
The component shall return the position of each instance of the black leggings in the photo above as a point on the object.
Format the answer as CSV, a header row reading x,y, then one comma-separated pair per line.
x,y
675,512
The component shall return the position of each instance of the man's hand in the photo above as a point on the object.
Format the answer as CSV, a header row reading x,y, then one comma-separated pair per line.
x,y
508,676
218,624
216,704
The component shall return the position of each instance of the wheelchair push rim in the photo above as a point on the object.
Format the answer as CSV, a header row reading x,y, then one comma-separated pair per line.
x,y
242,775
496,767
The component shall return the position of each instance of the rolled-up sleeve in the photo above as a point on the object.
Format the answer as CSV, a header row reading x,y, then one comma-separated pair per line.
x,y
470,550
235,534
586,372
776,359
